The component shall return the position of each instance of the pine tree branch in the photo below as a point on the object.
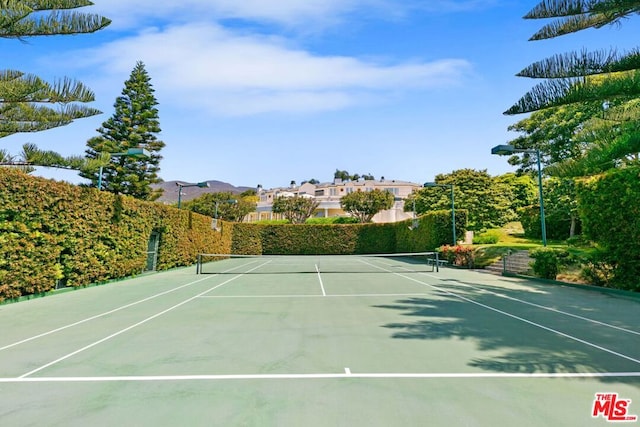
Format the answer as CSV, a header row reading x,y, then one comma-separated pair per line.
x,y
560,8
557,8
559,92
25,117
585,63
580,15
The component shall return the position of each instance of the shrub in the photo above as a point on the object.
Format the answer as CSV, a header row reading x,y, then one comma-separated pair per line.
x,y
597,270
490,237
462,256
547,261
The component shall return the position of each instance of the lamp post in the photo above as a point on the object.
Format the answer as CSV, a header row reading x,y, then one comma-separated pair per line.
x,y
214,221
510,149
131,152
203,184
453,206
414,223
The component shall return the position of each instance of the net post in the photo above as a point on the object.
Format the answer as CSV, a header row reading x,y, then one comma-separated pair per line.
x,y
437,262
198,263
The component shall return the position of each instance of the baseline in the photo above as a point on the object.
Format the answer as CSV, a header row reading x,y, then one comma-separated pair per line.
x,y
347,374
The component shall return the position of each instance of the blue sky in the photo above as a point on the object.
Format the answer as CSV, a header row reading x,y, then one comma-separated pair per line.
x,y
268,91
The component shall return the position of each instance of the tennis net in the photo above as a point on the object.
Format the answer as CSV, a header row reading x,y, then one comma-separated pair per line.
x,y
283,264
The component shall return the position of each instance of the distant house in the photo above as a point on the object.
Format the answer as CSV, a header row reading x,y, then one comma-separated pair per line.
x,y
329,194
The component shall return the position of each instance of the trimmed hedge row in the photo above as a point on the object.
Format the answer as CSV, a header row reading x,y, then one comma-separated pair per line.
x,y
609,207
434,230
53,232
334,239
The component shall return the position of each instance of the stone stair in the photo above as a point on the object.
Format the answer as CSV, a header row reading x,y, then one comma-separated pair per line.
x,y
516,262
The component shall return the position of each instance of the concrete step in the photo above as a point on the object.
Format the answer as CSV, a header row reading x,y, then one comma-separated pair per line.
x,y
516,262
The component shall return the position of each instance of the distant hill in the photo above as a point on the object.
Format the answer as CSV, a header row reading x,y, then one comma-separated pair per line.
x,y
170,190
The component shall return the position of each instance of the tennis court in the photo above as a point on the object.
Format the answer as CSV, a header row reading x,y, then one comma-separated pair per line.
x,y
372,341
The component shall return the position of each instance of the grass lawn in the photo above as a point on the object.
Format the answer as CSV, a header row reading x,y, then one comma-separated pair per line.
x,y
511,238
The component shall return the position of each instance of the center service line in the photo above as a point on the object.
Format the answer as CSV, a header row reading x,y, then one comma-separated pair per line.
x,y
324,294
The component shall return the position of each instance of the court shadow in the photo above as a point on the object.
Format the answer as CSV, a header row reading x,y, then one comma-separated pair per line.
x,y
511,337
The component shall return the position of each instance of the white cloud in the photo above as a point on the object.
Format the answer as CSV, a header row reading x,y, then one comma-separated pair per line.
x,y
207,66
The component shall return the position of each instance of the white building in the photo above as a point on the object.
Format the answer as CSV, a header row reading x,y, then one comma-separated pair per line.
x,y
329,194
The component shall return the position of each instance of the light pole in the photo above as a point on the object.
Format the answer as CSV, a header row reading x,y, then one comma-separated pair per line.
x,y
453,206
131,152
414,224
214,221
510,149
203,184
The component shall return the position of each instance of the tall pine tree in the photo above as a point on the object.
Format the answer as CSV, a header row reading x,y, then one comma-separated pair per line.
x,y
134,124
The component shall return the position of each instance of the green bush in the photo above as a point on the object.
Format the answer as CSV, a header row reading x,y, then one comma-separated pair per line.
x,y
547,261
490,237
461,256
597,270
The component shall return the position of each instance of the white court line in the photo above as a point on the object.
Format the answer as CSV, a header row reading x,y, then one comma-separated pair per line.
x,y
97,316
134,325
316,296
513,316
346,374
324,294
575,316
106,313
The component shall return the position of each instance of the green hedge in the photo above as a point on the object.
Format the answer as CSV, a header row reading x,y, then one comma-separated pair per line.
x,y
434,230
609,207
55,233
298,239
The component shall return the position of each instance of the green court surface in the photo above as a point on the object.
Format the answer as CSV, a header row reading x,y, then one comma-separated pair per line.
x,y
389,347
